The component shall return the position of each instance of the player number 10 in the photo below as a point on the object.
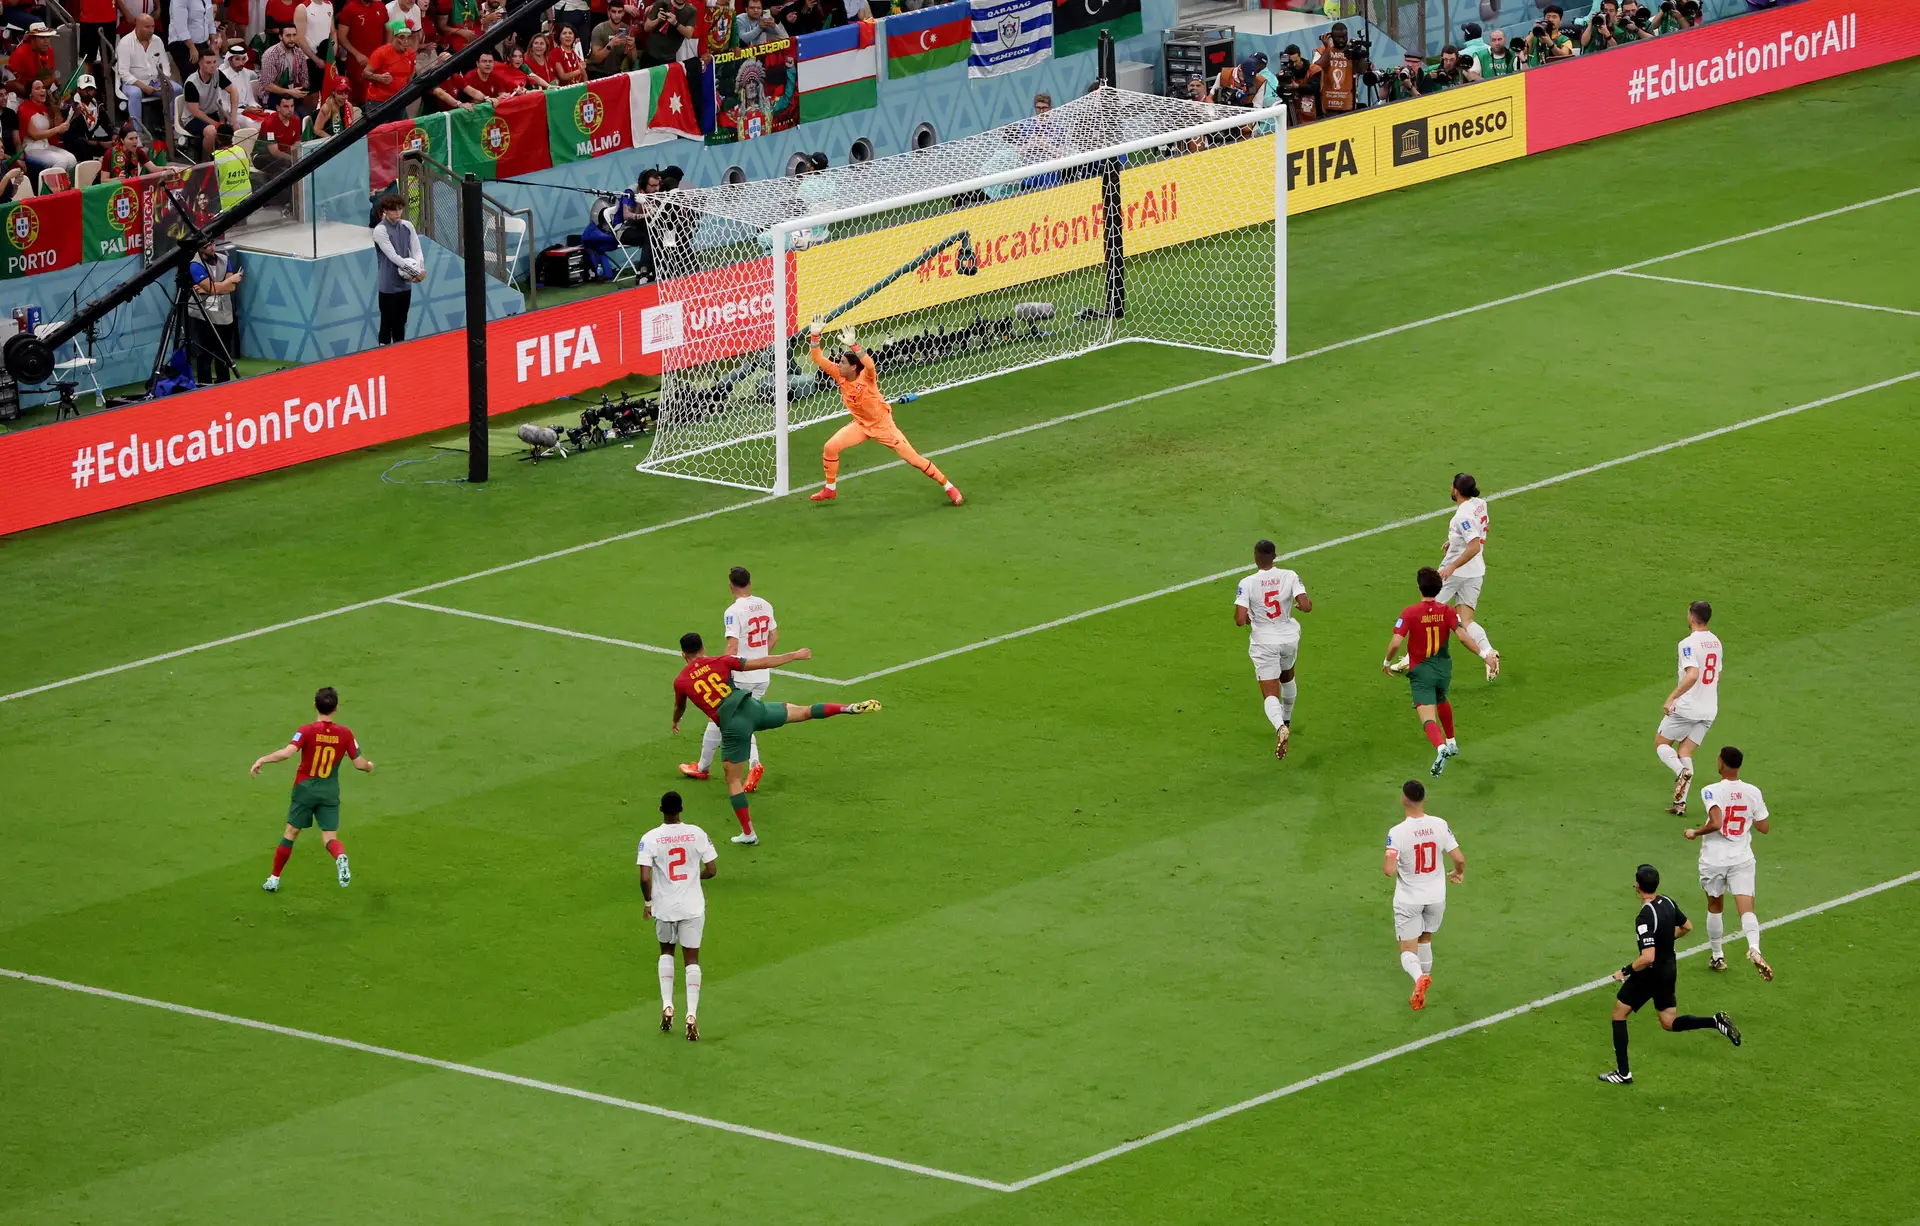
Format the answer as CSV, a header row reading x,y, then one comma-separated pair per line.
x,y
1426,857
323,760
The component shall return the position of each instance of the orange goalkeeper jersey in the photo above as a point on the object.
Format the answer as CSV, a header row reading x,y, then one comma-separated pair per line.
x,y
861,393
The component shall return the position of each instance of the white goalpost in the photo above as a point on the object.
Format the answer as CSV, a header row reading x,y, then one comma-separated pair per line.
x,y
1118,217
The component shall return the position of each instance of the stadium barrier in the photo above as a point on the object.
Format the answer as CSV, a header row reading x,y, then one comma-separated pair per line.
x,y
95,463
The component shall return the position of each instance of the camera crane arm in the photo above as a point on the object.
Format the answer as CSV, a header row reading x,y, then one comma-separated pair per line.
x,y
29,358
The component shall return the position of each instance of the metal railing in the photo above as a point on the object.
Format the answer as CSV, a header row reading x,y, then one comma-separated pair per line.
x,y
432,193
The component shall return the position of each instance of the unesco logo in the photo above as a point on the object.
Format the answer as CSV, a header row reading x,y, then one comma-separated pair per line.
x,y
1409,142
495,137
124,209
23,227
588,114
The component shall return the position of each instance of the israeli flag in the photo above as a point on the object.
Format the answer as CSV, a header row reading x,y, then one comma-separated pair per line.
x,y
1009,35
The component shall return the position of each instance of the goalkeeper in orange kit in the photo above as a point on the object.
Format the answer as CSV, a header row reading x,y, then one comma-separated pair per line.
x,y
859,383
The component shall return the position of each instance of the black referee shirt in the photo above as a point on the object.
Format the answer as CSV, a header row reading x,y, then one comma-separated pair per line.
x,y
1654,928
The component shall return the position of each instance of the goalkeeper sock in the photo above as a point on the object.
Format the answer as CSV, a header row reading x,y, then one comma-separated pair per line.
x,y
693,990
739,802
709,745
666,982
1289,690
1274,716
280,855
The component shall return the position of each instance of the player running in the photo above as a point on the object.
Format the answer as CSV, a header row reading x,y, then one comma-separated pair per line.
x,y
859,383
1424,628
1654,974
1266,601
1414,848
316,788
1734,811
1463,566
708,681
1691,708
675,858
751,634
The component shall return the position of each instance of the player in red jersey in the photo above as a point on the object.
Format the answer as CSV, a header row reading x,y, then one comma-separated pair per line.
x,y
1424,628
708,682
322,745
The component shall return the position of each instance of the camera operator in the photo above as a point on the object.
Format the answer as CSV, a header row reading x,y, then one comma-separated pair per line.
x,y
1547,42
1599,34
1339,65
1677,15
1498,58
1396,84
1302,99
1449,72
1635,23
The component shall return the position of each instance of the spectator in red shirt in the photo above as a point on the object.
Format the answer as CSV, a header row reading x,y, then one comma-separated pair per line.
x,y
564,59
278,146
389,68
127,158
458,22
488,80
363,28
32,60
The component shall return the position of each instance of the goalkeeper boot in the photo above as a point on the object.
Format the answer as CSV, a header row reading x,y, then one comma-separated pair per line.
x,y
754,774
825,494
692,771
954,496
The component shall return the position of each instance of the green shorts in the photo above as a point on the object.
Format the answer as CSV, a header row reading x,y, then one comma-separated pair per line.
x,y
739,718
312,803
1430,680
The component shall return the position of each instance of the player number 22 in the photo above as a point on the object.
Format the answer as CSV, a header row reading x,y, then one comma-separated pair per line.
x,y
677,864
757,628
1426,857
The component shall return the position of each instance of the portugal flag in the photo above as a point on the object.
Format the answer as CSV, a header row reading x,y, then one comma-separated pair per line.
x,y
503,140
590,120
113,218
40,235
386,144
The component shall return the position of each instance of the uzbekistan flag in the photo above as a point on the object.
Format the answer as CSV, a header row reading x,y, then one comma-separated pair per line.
x,y
839,72
931,38
1009,35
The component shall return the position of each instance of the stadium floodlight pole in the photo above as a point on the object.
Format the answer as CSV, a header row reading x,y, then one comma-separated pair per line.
x,y
29,358
476,274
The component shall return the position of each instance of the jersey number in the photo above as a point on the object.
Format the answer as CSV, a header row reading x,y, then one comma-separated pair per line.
x,y
1712,669
1435,637
1274,607
711,689
1733,818
677,864
1426,857
757,628
323,759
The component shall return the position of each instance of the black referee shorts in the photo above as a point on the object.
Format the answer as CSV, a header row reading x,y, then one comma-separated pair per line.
x,y
1654,984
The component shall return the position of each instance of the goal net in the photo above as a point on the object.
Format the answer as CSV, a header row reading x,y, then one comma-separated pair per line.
x,y
1116,217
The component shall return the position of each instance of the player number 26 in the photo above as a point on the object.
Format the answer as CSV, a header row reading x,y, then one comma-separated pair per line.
x,y
711,689
1426,857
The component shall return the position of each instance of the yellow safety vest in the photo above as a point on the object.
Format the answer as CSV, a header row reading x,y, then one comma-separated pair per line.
x,y
234,174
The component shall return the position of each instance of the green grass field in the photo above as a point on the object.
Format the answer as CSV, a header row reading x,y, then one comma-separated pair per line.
x,y
1058,896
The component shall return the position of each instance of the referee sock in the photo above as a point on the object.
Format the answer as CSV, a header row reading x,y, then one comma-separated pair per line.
x,y
1716,932
1688,1021
1620,1047
666,982
693,990
1289,690
739,802
1670,757
1276,711
1425,954
1750,928
1432,731
1411,965
280,855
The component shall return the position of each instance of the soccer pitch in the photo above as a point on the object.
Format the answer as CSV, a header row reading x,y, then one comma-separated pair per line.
x,y
1058,898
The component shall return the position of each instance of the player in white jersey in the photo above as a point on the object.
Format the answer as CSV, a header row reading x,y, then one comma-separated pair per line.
x,y
1735,809
1414,848
1695,701
1463,568
1266,601
674,859
751,634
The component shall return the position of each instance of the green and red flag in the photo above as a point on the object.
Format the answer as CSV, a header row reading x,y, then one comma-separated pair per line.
x,y
590,120
386,143
114,218
502,140
662,99
40,235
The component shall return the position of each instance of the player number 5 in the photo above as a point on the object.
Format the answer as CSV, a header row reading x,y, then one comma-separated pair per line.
x,y
1272,601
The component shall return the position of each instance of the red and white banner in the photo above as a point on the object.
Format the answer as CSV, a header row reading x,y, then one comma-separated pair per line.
x,y
1727,61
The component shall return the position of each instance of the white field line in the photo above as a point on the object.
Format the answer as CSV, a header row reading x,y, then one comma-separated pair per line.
x,y
530,1083
1005,434
1492,1019
579,634
915,1168
1770,293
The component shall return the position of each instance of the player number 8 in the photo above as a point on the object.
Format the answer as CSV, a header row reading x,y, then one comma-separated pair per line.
x,y
1712,669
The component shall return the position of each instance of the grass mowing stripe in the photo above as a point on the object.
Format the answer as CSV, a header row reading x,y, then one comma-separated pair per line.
x,y
1770,293
1417,1045
1145,396
530,1083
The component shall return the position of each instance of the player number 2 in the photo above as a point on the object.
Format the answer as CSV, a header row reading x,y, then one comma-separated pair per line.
x,y
323,760
1426,857
1712,669
677,864
1733,818
757,628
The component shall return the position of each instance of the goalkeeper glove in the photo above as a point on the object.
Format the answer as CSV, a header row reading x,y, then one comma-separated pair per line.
x,y
816,327
846,337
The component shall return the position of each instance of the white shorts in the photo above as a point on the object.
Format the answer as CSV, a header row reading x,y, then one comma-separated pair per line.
x,y
684,933
757,688
1410,919
1678,728
1459,591
1720,880
1272,659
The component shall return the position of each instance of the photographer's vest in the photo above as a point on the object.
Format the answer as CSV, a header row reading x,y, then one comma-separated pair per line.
x,y
1336,82
235,176
1306,108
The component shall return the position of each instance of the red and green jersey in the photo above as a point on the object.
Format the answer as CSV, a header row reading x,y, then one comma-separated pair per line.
x,y
324,747
1427,626
708,681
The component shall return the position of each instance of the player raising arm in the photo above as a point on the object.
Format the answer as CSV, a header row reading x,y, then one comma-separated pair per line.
x,y
316,784
708,681
1735,809
1266,601
1425,628
1414,848
1695,702
859,382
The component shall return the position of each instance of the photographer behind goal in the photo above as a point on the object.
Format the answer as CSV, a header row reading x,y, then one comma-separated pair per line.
x,y
1449,72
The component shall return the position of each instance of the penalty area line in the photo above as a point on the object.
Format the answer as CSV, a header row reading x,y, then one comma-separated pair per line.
x,y
529,1083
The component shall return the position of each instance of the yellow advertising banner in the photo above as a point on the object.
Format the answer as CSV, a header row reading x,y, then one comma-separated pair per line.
x,y
1382,148
1040,233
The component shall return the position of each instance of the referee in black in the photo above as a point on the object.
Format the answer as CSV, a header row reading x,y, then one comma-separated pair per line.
x,y
1653,974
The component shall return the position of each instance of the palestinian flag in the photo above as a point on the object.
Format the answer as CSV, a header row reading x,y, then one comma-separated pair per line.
x,y
587,121
931,38
40,235
1077,23
839,72
114,218
661,99
503,140
386,143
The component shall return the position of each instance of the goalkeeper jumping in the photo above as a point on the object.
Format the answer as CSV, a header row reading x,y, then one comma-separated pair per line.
x,y
859,383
